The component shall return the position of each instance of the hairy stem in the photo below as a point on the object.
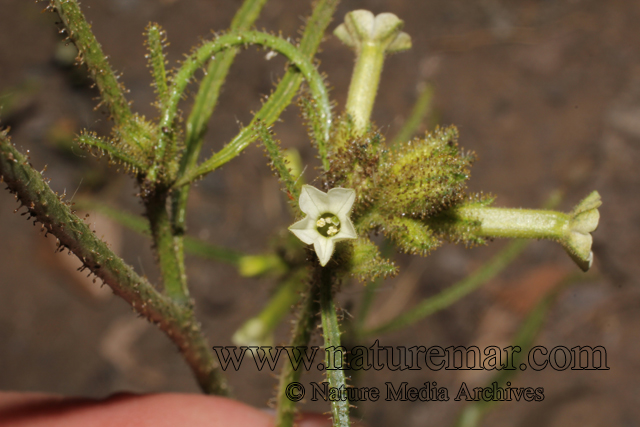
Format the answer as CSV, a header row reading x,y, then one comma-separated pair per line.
x,y
170,259
57,218
307,319
115,153
331,331
279,164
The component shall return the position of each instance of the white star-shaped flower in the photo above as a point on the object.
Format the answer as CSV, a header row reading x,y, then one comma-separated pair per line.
x,y
327,220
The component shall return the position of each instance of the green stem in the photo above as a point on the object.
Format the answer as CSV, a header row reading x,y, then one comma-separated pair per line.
x,y
331,331
57,218
307,319
364,84
170,260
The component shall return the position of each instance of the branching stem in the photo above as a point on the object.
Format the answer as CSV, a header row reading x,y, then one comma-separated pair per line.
x,y
56,217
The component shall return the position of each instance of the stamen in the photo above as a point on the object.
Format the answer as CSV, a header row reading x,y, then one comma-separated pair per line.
x,y
328,225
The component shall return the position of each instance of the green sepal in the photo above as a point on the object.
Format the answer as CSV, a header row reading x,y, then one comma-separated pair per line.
x,y
411,235
367,264
278,163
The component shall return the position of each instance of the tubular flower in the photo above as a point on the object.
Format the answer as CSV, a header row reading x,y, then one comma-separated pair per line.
x,y
327,220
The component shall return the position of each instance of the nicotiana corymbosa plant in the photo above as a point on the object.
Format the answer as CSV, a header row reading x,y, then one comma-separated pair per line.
x,y
412,191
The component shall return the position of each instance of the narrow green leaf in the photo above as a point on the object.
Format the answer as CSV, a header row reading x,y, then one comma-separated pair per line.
x,y
156,38
209,49
90,52
115,153
278,163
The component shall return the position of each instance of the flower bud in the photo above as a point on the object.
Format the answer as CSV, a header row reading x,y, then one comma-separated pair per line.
x,y
426,175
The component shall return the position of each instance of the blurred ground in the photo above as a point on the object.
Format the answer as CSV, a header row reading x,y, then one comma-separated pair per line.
x,y
546,93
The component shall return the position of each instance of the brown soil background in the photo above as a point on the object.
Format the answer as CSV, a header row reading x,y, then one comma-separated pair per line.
x,y
546,93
